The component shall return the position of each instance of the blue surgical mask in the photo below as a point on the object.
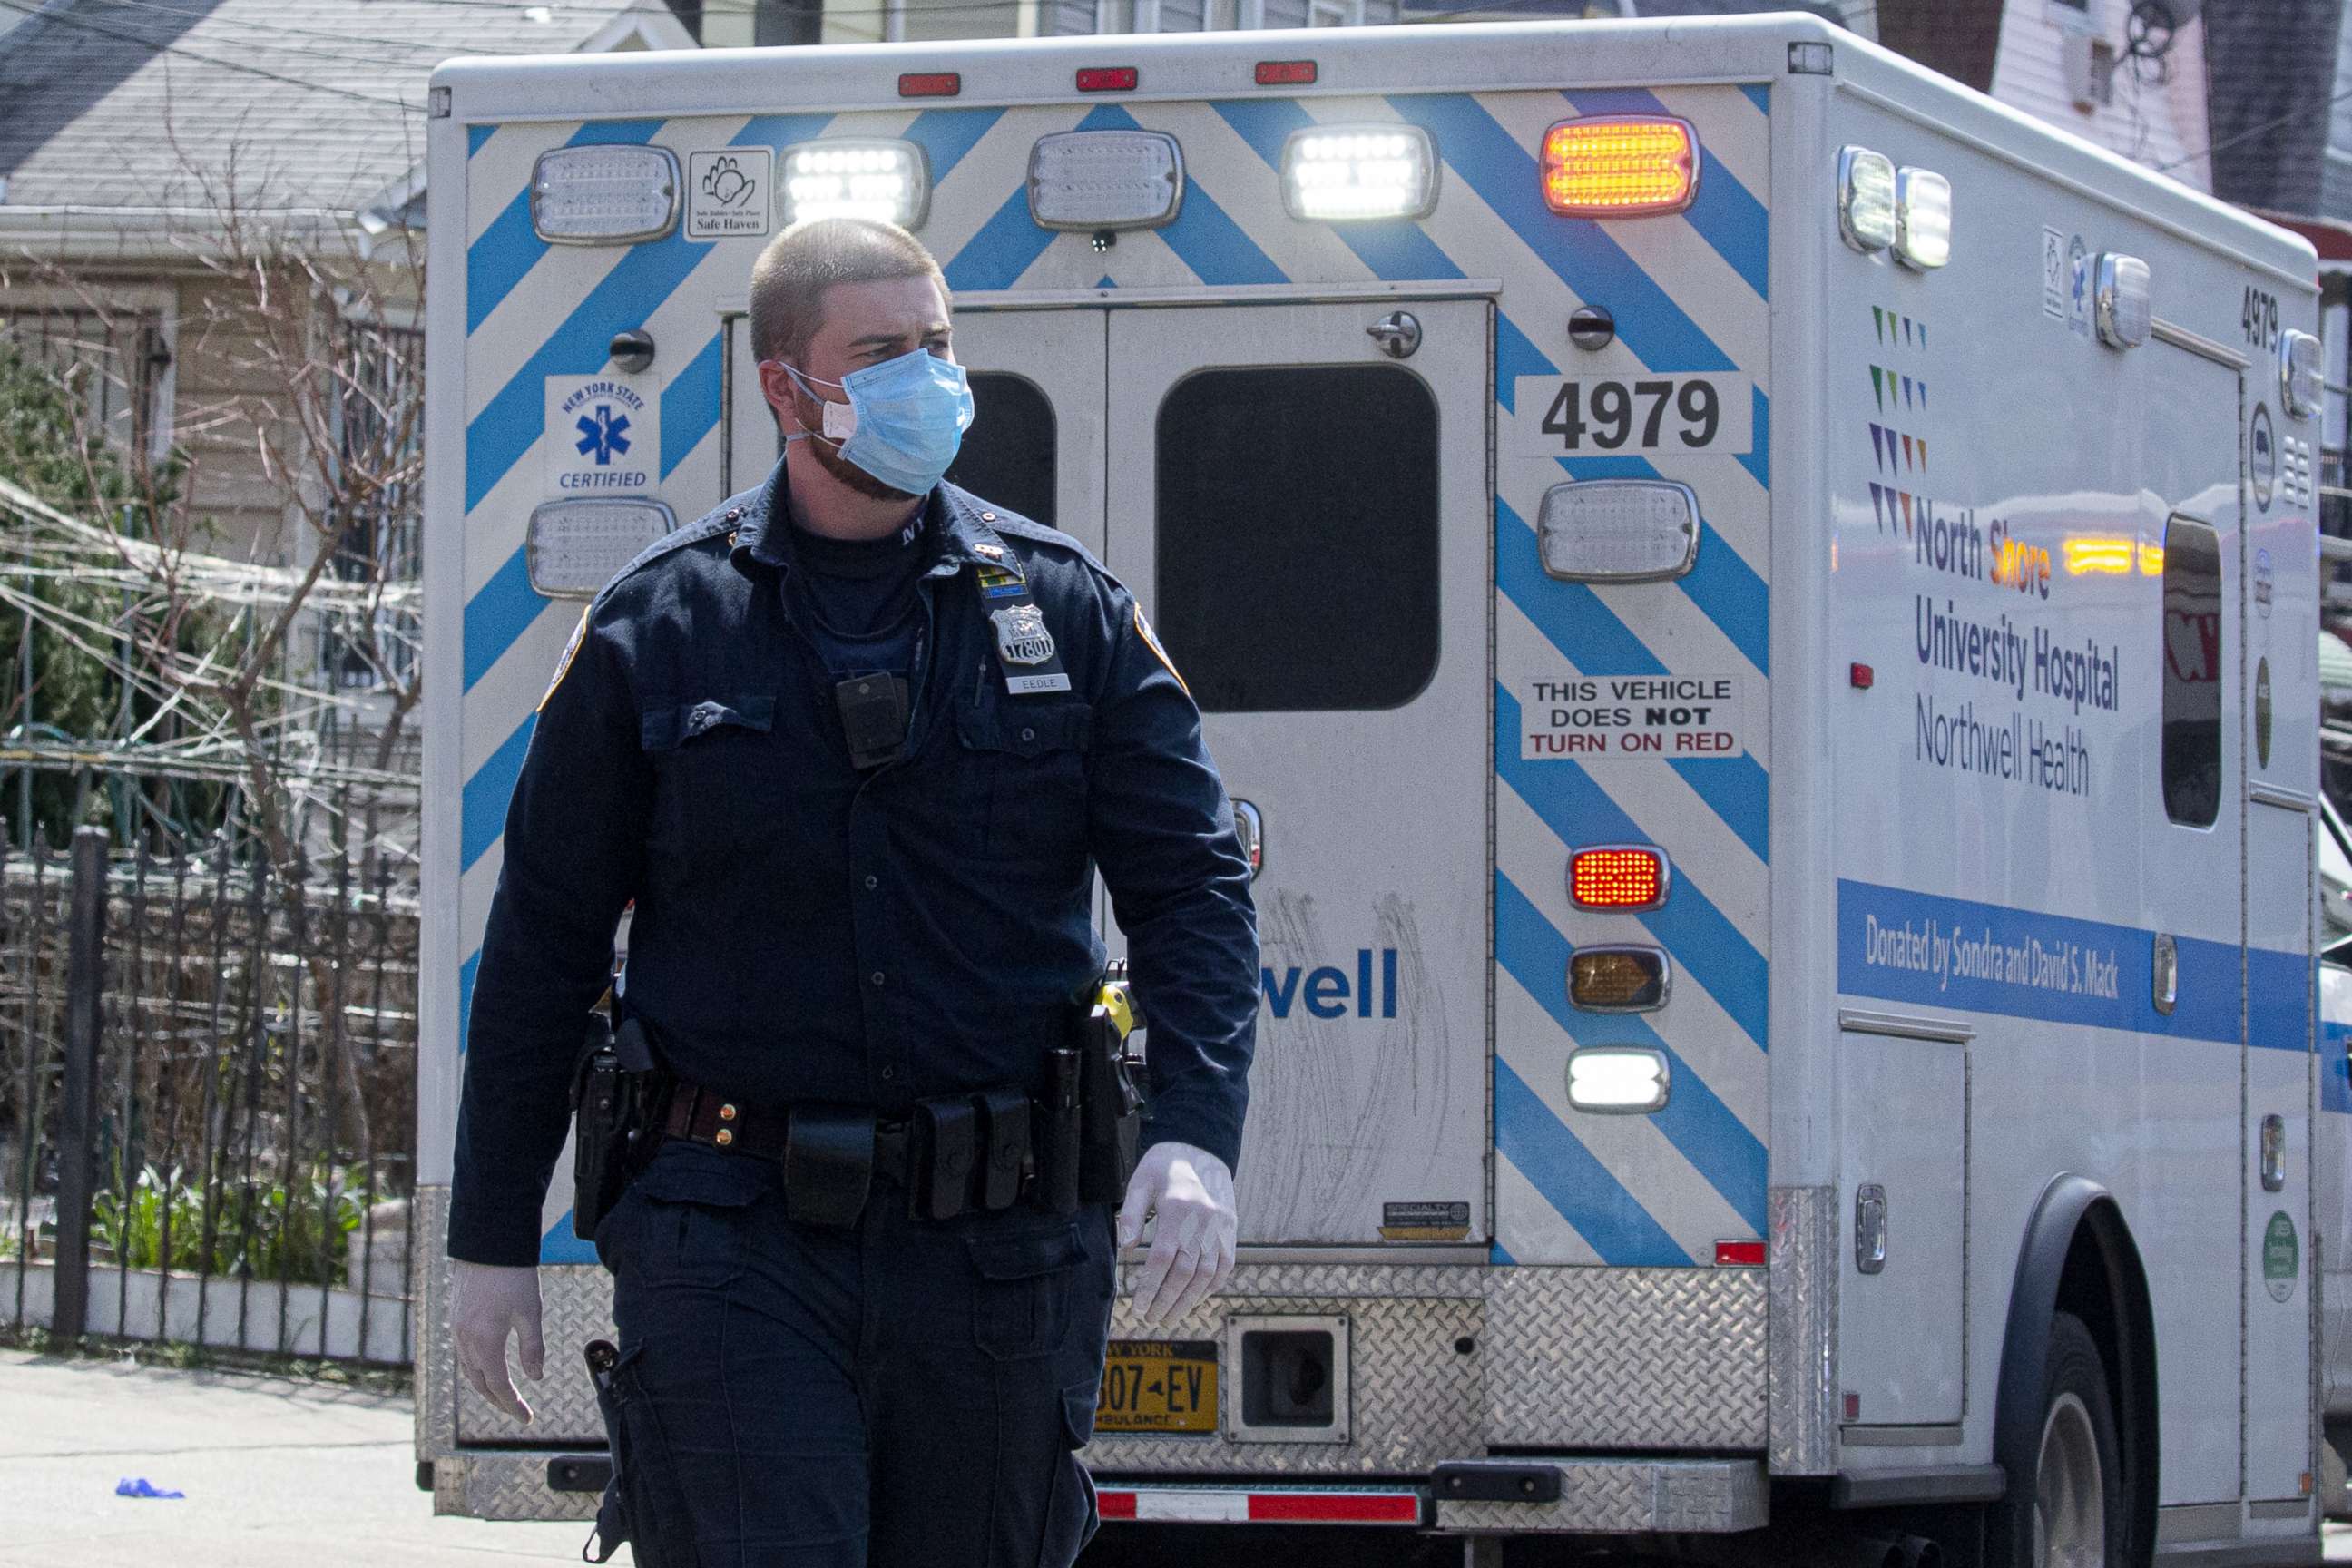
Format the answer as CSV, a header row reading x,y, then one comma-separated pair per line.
x,y
904,421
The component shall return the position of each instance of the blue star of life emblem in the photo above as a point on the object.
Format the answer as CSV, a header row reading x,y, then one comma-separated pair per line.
x,y
604,434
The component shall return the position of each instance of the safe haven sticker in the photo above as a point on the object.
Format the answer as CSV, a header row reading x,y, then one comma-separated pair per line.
x,y
604,437
1588,717
728,192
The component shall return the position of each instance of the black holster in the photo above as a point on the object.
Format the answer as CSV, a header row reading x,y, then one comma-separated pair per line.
x,y
1111,1105
642,1504
617,1100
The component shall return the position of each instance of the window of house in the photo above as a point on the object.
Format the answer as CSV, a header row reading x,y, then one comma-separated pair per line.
x,y
1334,13
1296,556
1008,454
380,415
2193,673
112,362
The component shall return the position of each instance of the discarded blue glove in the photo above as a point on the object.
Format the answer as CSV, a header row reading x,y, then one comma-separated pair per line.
x,y
141,1487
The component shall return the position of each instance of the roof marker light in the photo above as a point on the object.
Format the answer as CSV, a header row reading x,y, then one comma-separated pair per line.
x,y
1343,174
1923,219
890,181
1286,73
1094,180
1622,166
599,193
931,84
1866,198
1618,876
1107,79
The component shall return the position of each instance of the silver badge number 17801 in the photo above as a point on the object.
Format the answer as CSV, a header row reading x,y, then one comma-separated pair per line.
x,y
1020,634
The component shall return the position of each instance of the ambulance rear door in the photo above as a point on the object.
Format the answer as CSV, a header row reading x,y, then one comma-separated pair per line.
x,y
1301,501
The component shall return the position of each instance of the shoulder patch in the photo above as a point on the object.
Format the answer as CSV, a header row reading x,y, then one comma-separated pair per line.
x,y
1143,629
571,651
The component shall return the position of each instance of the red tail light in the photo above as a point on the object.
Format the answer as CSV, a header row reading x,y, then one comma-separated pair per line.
x,y
935,84
1618,876
1108,79
1739,1255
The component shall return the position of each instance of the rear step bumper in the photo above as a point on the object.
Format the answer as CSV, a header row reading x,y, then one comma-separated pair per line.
x,y
1609,1495
1193,1503
1582,1495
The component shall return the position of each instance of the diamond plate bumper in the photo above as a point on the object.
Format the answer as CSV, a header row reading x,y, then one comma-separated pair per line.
x,y
1448,1362
1630,1496
1626,1358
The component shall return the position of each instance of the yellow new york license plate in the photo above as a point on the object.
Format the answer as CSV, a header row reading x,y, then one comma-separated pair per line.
x,y
1159,1385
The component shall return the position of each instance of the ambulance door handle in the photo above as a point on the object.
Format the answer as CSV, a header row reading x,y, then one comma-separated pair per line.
x,y
1398,333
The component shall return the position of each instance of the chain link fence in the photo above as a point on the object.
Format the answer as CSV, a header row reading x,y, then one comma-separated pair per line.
x,y
207,1133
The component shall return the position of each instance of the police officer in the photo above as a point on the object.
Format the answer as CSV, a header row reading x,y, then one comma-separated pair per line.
x,y
855,745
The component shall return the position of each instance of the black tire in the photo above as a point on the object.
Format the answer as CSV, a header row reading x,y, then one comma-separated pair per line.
x,y
2078,1420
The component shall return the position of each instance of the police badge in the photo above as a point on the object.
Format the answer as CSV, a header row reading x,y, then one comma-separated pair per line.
x,y
1020,634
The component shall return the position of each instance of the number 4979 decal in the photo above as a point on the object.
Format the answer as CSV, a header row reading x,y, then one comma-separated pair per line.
x,y
1602,415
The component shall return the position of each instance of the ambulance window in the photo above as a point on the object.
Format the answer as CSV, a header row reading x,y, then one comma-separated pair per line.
x,y
1296,556
1007,455
2192,673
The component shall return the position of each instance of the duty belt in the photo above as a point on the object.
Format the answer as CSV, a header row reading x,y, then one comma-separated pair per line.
x,y
950,1155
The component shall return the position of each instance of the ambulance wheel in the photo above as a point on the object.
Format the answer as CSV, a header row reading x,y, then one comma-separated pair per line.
x,y
2065,1504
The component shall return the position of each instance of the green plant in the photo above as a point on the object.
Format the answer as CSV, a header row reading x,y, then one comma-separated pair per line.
x,y
269,1230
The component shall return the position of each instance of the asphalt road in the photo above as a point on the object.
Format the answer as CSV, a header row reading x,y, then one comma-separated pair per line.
x,y
286,1474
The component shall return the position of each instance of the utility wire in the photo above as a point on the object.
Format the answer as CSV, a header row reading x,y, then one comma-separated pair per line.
x,y
2252,130
435,52
60,19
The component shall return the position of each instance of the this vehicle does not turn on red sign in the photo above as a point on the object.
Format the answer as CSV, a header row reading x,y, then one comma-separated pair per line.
x,y
1588,717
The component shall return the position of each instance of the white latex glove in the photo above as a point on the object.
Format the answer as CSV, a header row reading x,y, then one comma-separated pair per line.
x,y
1187,1195
488,1304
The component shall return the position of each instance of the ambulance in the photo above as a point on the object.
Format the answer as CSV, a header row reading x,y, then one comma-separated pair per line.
x,y
1759,609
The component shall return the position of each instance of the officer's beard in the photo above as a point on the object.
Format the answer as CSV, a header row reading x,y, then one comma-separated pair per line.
x,y
828,455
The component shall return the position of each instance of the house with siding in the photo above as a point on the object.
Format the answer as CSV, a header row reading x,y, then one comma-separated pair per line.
x,y
2099,68
137,138
736,23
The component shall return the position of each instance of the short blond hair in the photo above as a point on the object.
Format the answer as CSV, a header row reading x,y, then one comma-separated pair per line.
x,y
789,280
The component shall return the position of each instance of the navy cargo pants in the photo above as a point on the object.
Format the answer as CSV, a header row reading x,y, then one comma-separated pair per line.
x,y
897,1394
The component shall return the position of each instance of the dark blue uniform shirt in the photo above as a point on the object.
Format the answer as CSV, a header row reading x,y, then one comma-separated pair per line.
x,y
804,931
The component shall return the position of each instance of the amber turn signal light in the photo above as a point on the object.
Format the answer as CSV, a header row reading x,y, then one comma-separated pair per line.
x,y
1617,979
1620,167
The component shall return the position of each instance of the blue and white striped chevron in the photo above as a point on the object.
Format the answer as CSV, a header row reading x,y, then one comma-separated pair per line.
x,y
1690,294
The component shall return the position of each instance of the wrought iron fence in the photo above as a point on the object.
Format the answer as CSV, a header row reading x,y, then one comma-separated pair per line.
x,y
213,1142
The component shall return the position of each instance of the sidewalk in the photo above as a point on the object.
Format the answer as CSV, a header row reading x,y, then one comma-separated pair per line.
x,y
278,1474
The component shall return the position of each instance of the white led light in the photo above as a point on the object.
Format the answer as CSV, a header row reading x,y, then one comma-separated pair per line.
x,y
1618,531
1342,173
889,181
2123,300
1090,180
2300,386
1619,1080
599,194
1923,218
1866,198
572,548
